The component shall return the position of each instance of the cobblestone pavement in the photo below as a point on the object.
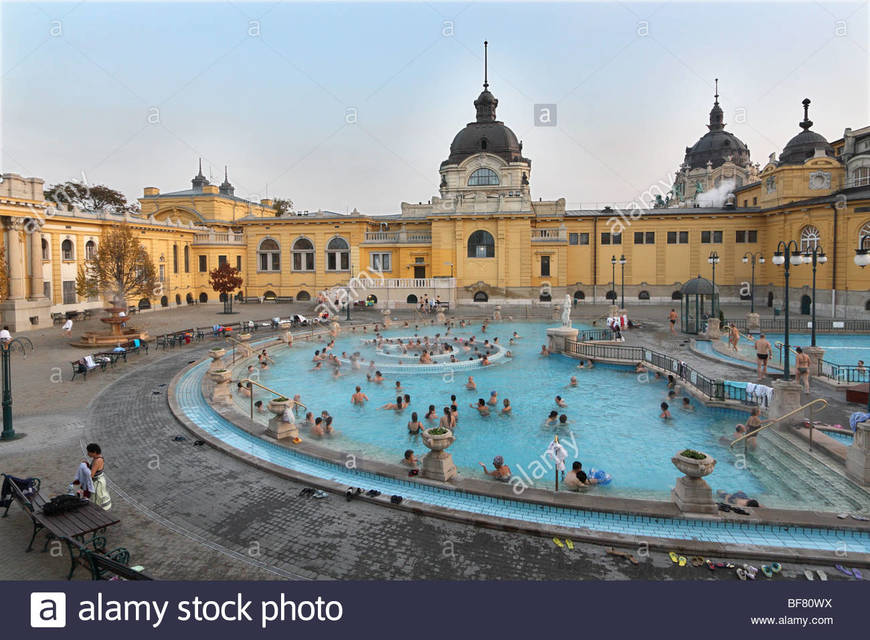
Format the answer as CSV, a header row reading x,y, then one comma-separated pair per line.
x,y
191,512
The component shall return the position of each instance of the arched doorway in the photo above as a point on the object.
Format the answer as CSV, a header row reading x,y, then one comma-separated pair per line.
x,y
189,298
144,303
643,295
770,298
677,295
203,297
806,304
164,301
177,298
303,296
610,295
579,295
481,296
411,299
269,295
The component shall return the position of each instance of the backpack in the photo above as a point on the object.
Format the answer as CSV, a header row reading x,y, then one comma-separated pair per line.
x,y
62,504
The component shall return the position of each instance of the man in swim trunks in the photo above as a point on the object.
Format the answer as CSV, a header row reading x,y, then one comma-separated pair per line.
x,y
577,478
802,362
672,318
763,351
359,397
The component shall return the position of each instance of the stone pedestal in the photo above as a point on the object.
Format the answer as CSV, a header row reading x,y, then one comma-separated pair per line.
x,y
216,358
693,495
858,455
786,398
816,354
438,465
753,323
558,336
222,393
713,330
280,429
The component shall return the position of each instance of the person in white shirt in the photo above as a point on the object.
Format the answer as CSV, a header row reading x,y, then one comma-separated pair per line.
x,y
5,336
67,327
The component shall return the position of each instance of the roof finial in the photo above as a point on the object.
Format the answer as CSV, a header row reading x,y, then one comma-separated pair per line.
x,y
226,179
485,65
807,123
200,167
716,95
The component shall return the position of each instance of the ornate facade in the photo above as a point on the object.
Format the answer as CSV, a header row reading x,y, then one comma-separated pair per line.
x,y
482,238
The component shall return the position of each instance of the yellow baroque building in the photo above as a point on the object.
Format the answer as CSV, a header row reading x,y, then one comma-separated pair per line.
x,y
483,237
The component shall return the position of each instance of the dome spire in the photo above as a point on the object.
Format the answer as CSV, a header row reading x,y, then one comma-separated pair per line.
x,y
199,180
807,123
716,115
486,102
226,188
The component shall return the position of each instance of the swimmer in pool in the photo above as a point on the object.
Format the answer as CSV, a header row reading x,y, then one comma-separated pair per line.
x,y
395,406
560,402
665,414
493,398
471,385
552,420
573,381
359,397
506,409
481,407
414,426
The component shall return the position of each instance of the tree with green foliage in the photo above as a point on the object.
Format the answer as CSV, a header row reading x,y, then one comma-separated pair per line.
x,y
282,206
90,198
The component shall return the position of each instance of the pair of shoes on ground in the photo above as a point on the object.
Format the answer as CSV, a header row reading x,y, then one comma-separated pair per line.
x,y
310,492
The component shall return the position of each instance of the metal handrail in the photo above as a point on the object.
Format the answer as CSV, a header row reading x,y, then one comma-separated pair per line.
x,y
264,387
779,419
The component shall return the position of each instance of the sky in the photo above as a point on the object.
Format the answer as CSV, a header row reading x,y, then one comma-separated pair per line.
x,y
340,106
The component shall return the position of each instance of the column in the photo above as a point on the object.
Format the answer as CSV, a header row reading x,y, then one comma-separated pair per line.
x,y
16,260
36,288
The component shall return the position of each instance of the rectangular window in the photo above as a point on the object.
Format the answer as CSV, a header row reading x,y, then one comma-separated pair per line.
x,y
605,238
611,238
678,237
746,236
754,201
186,259
584,238
175,258
222,260
162,273
545,265
69,291
616,238
203,264
264,262
711,237
644,237
238,263
746,203
380,262
46,289
684,237
573,238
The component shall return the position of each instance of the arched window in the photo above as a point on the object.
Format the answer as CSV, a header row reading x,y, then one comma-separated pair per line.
x,y
579,295
483,177
186,259
303,296
303,255
643,295
144,303
861,177
411,299
337,255
46,255
203,297
175,258
189,298
90,249
481,296
481,245
864,236
66,250
269,255
809,238
269,295
677,295
164,301
610,295
177,298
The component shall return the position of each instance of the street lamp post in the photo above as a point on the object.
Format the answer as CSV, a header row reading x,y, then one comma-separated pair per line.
x,y
816,255
348,301
6,348
862,259
613,277
713,259
752,258
788,254
622,267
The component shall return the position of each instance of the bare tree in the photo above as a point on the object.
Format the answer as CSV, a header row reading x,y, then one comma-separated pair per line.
x,y
119,269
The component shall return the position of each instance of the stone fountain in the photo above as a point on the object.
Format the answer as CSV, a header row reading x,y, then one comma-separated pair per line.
x,y
117,335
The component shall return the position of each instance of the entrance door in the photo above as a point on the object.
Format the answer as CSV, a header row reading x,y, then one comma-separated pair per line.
x,y
806,301
420,272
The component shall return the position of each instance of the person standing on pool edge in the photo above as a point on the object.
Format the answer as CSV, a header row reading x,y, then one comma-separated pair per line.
x,y
763,351
802,362
672,318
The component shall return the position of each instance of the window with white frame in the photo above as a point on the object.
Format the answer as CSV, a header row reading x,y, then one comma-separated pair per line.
x,y
303,255
269,255
67,251
381,262
338,255
810,238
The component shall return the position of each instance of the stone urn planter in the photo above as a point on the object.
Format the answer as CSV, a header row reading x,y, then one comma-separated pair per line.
x,y
692,494
219,375
216,353
438,464
279,428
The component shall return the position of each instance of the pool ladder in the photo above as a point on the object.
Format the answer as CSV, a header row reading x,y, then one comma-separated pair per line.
x,y
809,405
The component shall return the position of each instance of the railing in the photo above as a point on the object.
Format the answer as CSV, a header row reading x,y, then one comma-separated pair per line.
x,y
407,283
557,234
812,403
628,354
218,238
399,237
824,325
843,373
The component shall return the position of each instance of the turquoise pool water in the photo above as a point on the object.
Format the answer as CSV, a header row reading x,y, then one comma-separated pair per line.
x,y
196,409
839,349
613,414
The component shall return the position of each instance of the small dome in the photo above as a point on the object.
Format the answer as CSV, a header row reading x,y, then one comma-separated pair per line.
x,y
698,286
717,145
803,146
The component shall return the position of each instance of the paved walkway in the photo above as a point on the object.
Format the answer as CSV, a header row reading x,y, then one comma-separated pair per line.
x,y
191,512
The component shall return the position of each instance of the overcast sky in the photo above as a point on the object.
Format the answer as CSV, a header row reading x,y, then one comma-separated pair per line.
x,y
131,95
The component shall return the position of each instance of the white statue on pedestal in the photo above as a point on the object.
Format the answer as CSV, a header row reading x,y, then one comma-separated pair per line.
x,y
566,311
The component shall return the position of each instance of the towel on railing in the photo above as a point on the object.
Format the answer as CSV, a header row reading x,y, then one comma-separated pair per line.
x,y
857,417
89,362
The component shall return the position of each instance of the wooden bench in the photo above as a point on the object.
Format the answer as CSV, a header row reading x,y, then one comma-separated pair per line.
x,y
58,318
81,369
82,527
283,299
251,300
132,348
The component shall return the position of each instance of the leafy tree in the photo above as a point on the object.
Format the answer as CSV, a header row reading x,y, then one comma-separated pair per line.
x,y
90,197
282,206
225,279
119,269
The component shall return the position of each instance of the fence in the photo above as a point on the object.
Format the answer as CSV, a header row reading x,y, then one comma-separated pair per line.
x,y
628,354
843,373
823,325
